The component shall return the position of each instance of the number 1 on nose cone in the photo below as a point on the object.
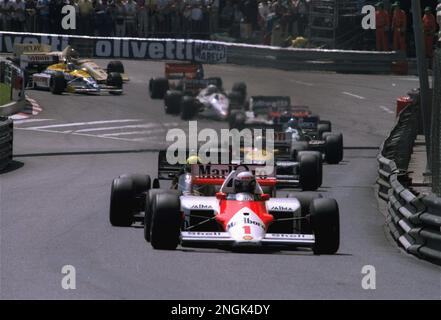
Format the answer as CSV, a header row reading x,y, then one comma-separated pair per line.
x,y
247,229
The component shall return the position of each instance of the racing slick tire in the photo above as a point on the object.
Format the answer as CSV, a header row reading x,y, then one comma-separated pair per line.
x,y
325,222
324,126
172,102
166,221
241,89
188,108
297,147
121,202
58,83
236,120
115,67
333,147
115,79
305,199
310,170
151,194
158,87
236,101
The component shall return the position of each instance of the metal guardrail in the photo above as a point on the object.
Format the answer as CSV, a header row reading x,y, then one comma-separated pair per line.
x,y
6,140
212,52
414,221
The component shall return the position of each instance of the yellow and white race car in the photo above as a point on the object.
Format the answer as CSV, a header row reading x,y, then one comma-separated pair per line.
x,y
68,77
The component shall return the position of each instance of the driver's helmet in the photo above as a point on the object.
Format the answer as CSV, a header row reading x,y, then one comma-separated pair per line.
x,y
211,89
244,182
193,159
71,66
285,116
72,54
293,123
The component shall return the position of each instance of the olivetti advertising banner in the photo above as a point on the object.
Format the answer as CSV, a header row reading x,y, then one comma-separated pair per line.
x,y
129,48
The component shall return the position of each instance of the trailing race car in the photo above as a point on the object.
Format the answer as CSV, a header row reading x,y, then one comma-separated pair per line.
x,y
239,215
67,77
308,133
186,92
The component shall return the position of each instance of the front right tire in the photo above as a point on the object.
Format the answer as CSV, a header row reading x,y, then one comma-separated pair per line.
x,y
166,221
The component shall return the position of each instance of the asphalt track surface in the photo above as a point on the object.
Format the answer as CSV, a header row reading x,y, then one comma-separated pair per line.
x,y
55,200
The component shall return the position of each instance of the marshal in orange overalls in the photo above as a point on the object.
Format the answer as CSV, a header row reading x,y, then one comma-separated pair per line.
x,y
429,24
382,27
399,24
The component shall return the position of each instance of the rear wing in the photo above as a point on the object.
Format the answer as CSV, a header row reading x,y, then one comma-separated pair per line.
x,y
167,171
195,85
183,71
215,174
20,49
266,104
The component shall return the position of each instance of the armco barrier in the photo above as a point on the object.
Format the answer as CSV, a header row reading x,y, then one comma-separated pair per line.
x,y
414,221
211,52
6,138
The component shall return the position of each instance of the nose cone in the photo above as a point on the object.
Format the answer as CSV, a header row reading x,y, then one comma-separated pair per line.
x,y
246,227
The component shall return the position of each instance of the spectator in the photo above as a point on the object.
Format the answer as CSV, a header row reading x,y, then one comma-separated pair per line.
x,y
302,21
142,18
162,16
85,17
175,16
227,15
103,19
196,18
130,18
43,16
31,16
238,17
186,19
429,24
55,16
213,16
119,19
7,8
18,16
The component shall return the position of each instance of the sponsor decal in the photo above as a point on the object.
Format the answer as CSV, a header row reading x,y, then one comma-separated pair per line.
x,y
281,208
201,206
131,48
247,220
248,238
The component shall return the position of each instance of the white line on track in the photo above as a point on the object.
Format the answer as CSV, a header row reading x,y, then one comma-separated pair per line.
x,y
145,126
302,82
386,109
354,95
30,120
128,133
76,124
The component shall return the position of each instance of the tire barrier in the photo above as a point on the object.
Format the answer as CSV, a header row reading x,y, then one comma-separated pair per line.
x,y
12,86
211,52
6,140
413,221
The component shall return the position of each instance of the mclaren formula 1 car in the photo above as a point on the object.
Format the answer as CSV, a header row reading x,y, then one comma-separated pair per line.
x,y
238,216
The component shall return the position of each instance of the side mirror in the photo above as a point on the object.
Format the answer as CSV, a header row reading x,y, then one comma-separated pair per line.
x,y
264,196
221,195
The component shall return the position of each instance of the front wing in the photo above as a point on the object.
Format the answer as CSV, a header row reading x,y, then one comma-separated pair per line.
x,y
222,239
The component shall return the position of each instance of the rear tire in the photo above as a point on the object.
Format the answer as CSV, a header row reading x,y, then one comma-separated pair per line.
x,y
334,147
158,87
166,221
58,83
325,222
323,126
188,108
172,101
115,66
310,171
237,120
241,89
121,202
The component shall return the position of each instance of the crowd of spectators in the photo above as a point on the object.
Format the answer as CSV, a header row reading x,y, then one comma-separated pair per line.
x,y
146,18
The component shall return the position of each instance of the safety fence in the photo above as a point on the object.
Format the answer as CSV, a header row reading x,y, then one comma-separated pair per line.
x,y
211,52
6,138
435,143
414,220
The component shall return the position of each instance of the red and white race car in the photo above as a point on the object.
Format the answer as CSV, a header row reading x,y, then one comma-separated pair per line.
x,y
238,216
